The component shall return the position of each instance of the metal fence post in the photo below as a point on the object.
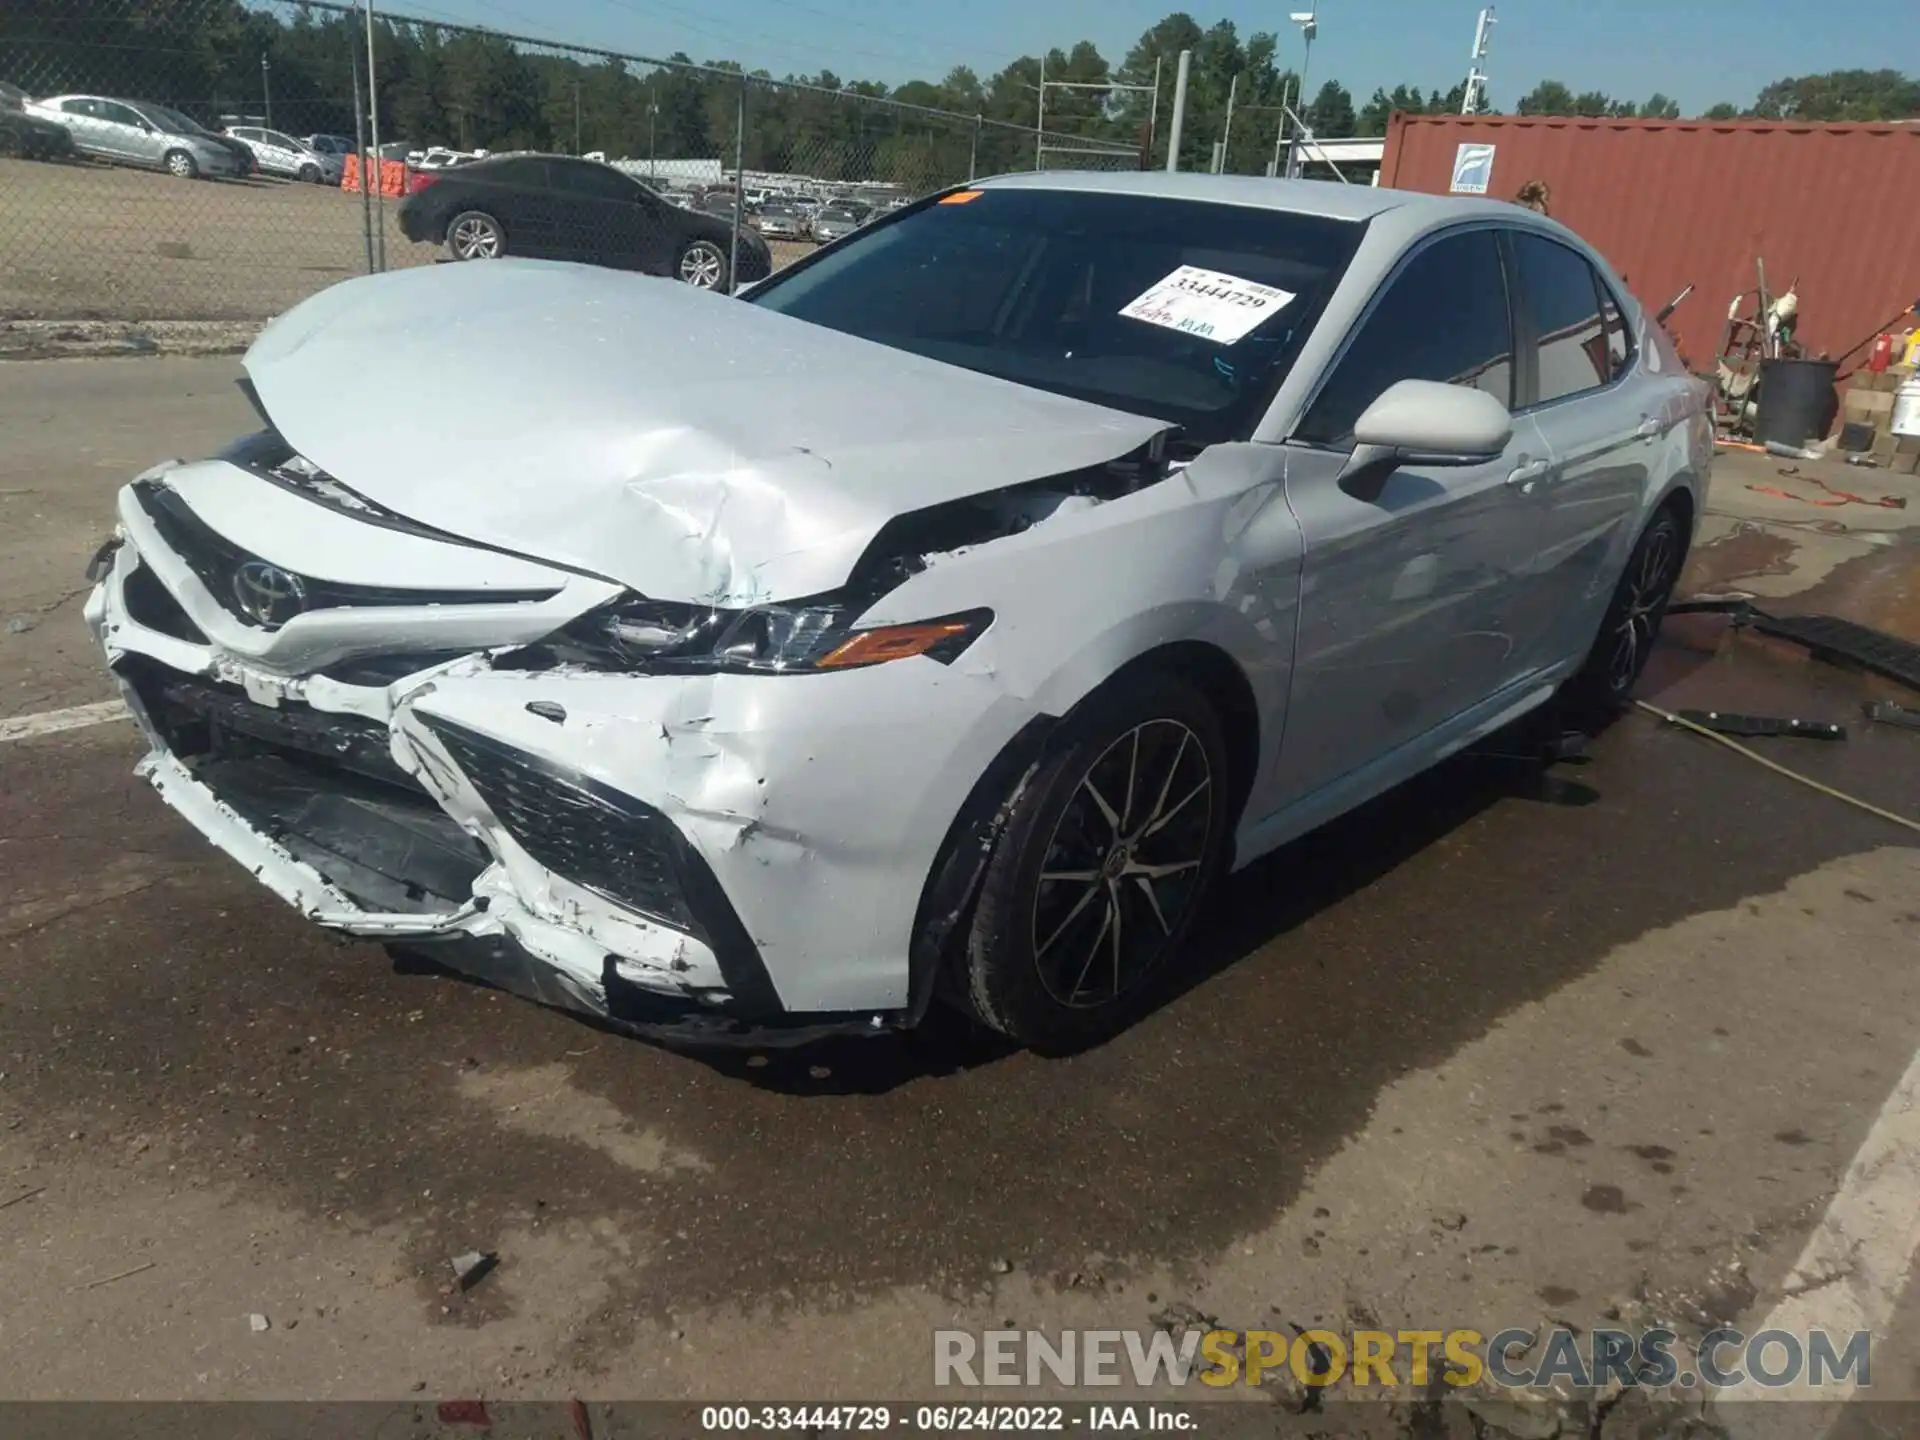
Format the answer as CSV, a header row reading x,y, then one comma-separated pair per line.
x,y
373,116
973,151
739,189
360,146
1179,110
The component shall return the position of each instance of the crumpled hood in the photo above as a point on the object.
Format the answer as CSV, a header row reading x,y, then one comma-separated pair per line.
x,y
691,446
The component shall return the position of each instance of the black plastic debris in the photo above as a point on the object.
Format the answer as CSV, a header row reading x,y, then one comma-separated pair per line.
x,y
473,1267
1888,713
1831,639
1722,723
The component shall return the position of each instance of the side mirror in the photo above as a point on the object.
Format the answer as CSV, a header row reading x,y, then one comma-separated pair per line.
x,y
1425,423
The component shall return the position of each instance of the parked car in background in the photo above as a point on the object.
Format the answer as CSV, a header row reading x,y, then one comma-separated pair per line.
x,y
29,136
557,207
835,221
138,132
439,157
780,220
341,145
719,202
938,621
277,153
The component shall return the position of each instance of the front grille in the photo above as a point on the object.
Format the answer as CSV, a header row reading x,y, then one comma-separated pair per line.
x,y
151,604
218,563
196,717
589,833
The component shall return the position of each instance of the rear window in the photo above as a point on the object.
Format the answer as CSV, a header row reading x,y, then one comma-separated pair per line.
x,y
1031,286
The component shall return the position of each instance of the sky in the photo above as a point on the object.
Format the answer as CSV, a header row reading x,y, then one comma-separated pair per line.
x,y
1698,52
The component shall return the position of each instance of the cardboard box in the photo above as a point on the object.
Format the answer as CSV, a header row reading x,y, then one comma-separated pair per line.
x,y
1907,464
1892,378
1885,444
1869,407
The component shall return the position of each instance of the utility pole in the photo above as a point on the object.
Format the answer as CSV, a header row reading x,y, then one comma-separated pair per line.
x,y
1179,110
266,92
576,117
1475,98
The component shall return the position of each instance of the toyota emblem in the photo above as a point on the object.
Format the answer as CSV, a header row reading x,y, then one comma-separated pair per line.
x,y
268,595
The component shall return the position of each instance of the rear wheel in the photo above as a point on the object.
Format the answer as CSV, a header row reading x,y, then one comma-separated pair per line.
x,y
1098,875
703,265
475,235
1605,681
181,164
310,173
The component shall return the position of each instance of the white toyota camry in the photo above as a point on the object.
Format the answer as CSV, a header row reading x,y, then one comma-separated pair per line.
x,y
938,619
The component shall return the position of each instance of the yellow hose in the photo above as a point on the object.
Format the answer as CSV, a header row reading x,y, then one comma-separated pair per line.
x,y
1807,780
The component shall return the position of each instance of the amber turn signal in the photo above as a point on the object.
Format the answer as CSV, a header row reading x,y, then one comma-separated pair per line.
x,y
893,642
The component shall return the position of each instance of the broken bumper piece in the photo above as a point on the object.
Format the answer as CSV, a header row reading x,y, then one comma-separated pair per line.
x,y
451,846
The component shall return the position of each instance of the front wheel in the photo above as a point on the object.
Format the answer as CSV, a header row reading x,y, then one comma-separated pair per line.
x,y
179,163
310,174
1099,873
475,235
1613,666
703,265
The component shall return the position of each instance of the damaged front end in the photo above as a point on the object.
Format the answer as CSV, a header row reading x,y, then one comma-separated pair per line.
x,y
311,754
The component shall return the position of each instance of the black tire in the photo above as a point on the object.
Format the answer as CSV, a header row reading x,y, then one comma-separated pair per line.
x,y
310,174
476,235
181,164
1604,682
702,263
1021,970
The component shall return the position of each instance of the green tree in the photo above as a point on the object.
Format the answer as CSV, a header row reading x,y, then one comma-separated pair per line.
x,y
1549,97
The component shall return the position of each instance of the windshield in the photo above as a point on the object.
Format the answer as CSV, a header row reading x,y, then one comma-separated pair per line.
x,y
176,122
1030,286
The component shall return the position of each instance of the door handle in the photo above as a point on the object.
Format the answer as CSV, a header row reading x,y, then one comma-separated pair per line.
x,y
1525,475
1650,428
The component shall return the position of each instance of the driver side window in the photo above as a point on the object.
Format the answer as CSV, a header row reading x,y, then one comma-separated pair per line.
x,y
1444,316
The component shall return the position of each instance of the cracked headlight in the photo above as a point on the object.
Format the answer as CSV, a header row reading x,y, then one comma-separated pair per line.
x,y
654,636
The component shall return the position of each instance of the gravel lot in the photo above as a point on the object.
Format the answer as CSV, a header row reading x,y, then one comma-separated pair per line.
x,y
83,241
1506,1045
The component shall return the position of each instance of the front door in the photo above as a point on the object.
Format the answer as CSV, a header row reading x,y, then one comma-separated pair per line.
x,y
1409,596
1601,427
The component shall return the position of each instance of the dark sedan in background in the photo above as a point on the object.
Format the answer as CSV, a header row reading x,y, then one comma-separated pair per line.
x,y
554,207
26,135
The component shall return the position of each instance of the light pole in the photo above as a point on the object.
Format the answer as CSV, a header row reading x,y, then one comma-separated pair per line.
x,y
1309,27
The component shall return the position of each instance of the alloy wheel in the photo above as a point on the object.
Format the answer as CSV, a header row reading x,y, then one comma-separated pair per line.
x,y
181,164
476,238
702,265
1648,583
1124,865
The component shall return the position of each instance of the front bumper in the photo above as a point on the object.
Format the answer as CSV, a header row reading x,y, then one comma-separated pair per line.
x,y
451,813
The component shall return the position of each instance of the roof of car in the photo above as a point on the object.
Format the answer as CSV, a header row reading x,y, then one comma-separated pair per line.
x,y
1308,197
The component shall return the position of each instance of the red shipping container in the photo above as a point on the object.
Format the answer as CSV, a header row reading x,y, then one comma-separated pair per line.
x,y
1673,202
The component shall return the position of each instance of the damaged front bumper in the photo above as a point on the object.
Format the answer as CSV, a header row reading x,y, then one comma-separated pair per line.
x,y
493,820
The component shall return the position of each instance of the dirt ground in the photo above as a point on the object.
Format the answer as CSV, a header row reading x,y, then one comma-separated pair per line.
x,y
1510,1044
85,241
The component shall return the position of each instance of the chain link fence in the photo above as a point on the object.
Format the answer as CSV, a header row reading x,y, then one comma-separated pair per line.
x,y
213,159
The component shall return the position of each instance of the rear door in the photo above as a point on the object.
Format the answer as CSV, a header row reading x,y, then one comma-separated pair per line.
x,y
1602,432
1408,597
86,121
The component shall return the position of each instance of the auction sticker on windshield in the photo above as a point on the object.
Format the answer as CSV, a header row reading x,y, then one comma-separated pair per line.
x,y
1207,303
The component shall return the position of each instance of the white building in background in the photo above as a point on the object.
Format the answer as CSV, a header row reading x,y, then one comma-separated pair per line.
x,y
674,172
